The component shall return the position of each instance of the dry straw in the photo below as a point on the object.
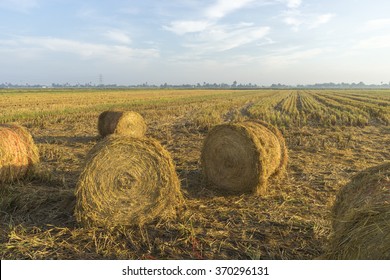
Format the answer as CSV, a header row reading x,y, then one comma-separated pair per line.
x,y
127,181
240,157
40,205
121,122
18,153
361,217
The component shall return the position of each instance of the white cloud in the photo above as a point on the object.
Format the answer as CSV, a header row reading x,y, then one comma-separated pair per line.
x,y
22,6
377,42
187,26
223,7
7,43
321,19
210,16
293,55
293,18
377,24
213,37
294,4
118,36
223,38
129,11
296,19
209,36
82,49
294,22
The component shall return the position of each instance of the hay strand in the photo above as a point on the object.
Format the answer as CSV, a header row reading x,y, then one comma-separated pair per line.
x,y
239,158
361,217
127,181
37,204
121,122
18,153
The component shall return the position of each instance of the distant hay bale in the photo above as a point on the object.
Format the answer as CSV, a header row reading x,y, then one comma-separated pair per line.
x,y
18,153
127,181
361,217
240,157
121,122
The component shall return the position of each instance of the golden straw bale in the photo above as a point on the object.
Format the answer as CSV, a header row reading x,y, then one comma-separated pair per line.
x,y
121,122
240,157
127,181
361,217
18,153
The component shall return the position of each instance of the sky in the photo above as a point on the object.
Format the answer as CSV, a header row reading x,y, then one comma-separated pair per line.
x,y
129,42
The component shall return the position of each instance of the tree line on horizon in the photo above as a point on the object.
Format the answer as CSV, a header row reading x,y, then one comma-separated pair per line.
x,y
234,85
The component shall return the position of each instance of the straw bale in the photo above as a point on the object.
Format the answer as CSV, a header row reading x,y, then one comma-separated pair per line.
x,y
18,153
241,157
121,122
361,217
127,181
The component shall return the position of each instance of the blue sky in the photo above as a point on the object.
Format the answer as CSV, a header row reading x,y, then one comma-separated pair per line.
x,y
190,41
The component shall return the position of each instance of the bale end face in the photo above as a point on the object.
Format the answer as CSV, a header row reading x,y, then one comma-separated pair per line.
x,y
239,158
127,181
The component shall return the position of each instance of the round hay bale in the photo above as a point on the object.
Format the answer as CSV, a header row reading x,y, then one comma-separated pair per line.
x,y
127,181
18,153
240,157
361,217
121,122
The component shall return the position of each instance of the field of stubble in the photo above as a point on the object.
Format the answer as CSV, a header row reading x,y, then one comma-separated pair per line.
x,y
331,135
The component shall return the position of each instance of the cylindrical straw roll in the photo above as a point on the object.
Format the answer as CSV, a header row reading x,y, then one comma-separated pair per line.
x,y
121,122
240,157
18,153
361,217
127,181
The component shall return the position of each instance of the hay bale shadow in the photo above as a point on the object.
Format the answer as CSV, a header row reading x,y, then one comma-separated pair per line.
x,y
37,205
66,140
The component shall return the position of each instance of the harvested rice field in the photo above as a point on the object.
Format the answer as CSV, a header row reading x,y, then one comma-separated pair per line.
x,y
330,135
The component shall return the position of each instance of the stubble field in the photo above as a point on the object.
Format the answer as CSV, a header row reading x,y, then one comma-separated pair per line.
x,y
331,135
